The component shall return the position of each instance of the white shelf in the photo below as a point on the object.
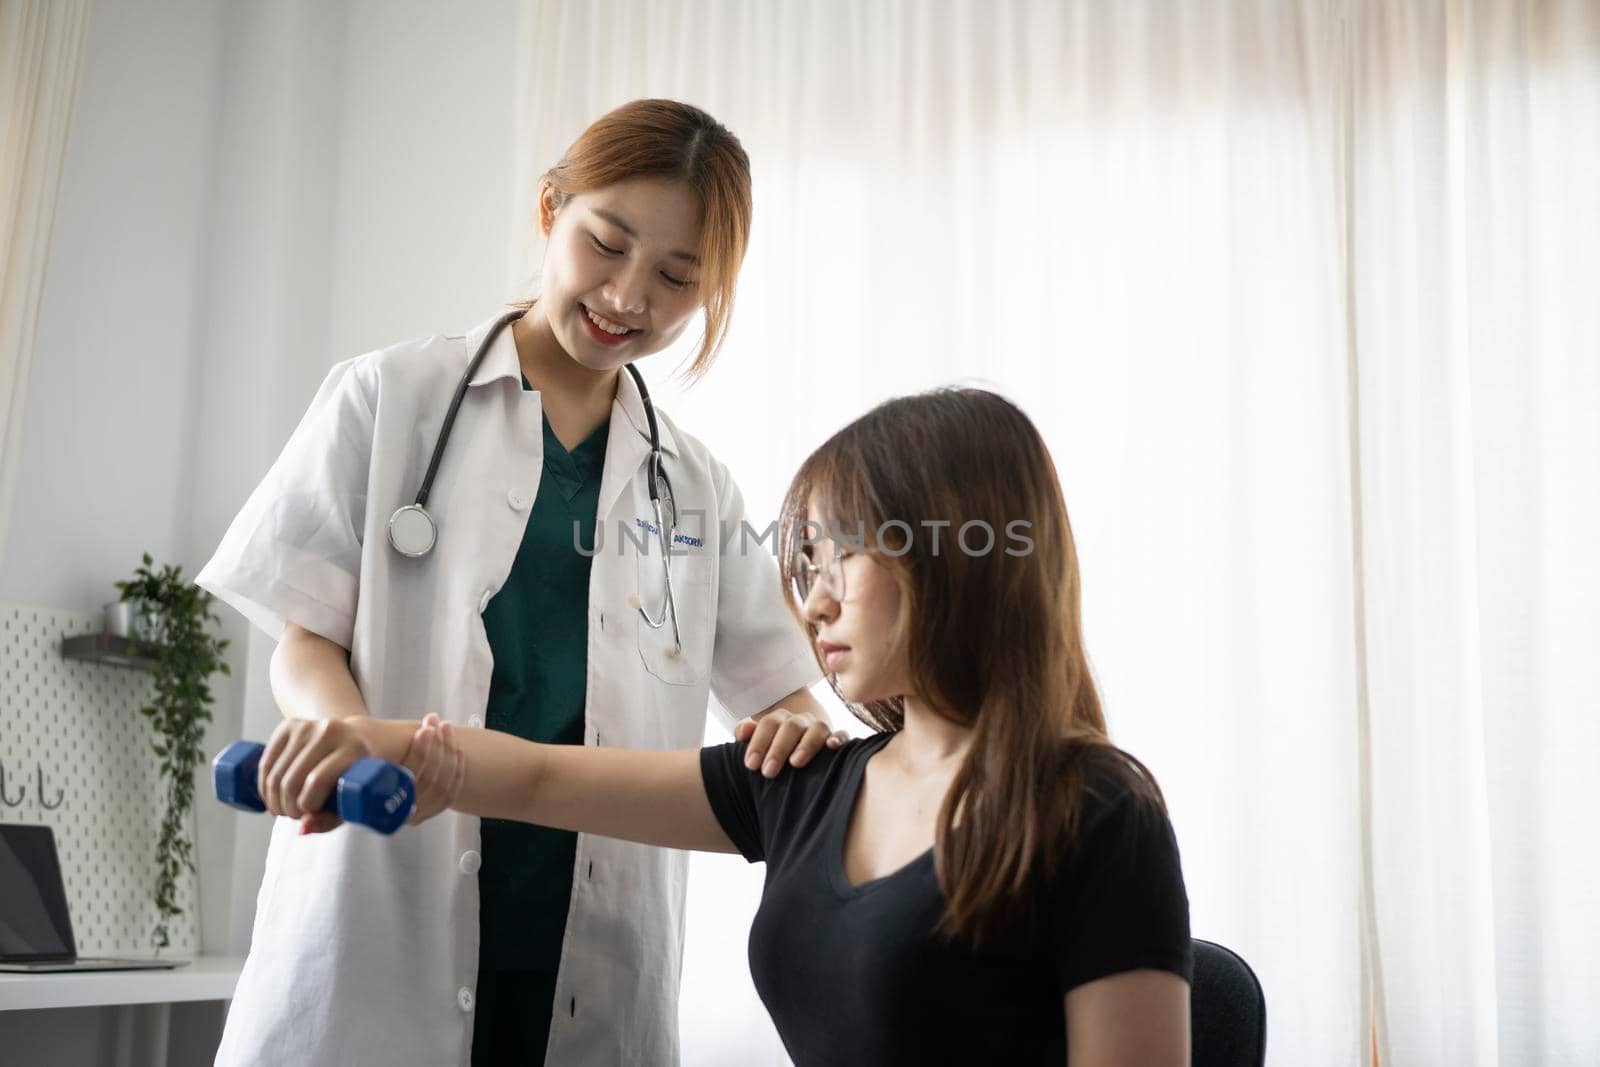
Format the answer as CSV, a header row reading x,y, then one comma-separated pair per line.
x,y
206,978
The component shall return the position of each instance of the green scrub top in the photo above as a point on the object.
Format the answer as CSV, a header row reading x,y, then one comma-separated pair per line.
x,y
537,625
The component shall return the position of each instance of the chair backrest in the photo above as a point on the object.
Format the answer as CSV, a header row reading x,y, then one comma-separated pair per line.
x,y
1227,1010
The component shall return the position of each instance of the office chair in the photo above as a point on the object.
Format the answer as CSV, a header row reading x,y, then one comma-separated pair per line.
x,y
1227,1010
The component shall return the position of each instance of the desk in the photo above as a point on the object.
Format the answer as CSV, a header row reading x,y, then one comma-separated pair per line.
x,y
207,978
117,1018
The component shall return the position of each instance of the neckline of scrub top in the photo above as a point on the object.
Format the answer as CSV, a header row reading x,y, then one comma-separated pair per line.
x,y
583,462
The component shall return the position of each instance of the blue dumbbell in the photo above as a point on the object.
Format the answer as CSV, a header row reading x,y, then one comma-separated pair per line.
x,y
372,792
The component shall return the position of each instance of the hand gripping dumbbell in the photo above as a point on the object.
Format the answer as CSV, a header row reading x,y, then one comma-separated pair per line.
x,y
371,792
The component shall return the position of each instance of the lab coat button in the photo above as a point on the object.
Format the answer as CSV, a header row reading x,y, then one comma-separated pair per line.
x,y
470,862
476,722
518,499
464,998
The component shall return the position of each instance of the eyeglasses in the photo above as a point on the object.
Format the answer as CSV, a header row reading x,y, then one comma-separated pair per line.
x,y
830,570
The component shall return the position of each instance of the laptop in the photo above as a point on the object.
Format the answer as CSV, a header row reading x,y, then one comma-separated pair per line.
x,y
35,930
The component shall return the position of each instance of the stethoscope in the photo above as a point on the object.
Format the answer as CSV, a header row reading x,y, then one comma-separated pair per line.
x,y
413,533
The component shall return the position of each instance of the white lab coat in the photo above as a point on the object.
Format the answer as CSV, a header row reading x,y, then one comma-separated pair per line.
x,y
365,948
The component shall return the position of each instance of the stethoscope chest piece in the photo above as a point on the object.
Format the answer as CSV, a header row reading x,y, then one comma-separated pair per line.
x,y
412,532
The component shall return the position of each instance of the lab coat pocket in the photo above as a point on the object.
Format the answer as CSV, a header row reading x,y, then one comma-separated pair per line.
x,y
693,587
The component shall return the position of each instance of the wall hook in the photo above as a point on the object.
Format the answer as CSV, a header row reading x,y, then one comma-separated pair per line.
x,y
60,793
22,791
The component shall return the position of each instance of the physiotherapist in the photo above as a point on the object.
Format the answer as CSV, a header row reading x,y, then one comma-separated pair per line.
x,y
474,526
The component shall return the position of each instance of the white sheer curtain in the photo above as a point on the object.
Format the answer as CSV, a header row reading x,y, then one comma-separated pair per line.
x,y
1474,275
41,46
1301,296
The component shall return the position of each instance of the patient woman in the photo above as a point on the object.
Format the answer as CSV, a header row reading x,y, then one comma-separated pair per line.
x,y
986,879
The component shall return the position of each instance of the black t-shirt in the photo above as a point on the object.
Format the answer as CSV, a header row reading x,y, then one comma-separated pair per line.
x,y
857,975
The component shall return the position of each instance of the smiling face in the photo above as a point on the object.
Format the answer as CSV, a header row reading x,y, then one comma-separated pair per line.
x,y
621,277
859,636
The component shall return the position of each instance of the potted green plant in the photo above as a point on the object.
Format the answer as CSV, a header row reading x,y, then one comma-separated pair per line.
x,y
173,614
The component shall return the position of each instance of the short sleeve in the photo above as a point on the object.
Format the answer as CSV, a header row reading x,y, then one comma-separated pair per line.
x,y
730,789
293,553
761,654
1118,901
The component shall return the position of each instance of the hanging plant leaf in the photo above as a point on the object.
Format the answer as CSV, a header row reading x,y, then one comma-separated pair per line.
x,y
175,613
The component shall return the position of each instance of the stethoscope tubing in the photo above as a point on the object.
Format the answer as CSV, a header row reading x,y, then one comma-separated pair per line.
x,y
455,404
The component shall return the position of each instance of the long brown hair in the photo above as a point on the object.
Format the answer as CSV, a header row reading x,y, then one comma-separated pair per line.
x,y
995,637
670,140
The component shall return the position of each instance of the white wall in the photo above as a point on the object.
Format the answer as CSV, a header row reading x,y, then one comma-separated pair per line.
x,y
251,193
100,476
102,470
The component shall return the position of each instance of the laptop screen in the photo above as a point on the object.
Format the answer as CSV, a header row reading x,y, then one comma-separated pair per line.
x,y
33,903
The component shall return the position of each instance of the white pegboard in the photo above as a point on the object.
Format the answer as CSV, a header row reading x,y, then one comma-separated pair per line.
x,y
79,724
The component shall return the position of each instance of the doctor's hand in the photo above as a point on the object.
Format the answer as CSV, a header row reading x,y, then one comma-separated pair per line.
x,y
782,736
302,764
436,762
